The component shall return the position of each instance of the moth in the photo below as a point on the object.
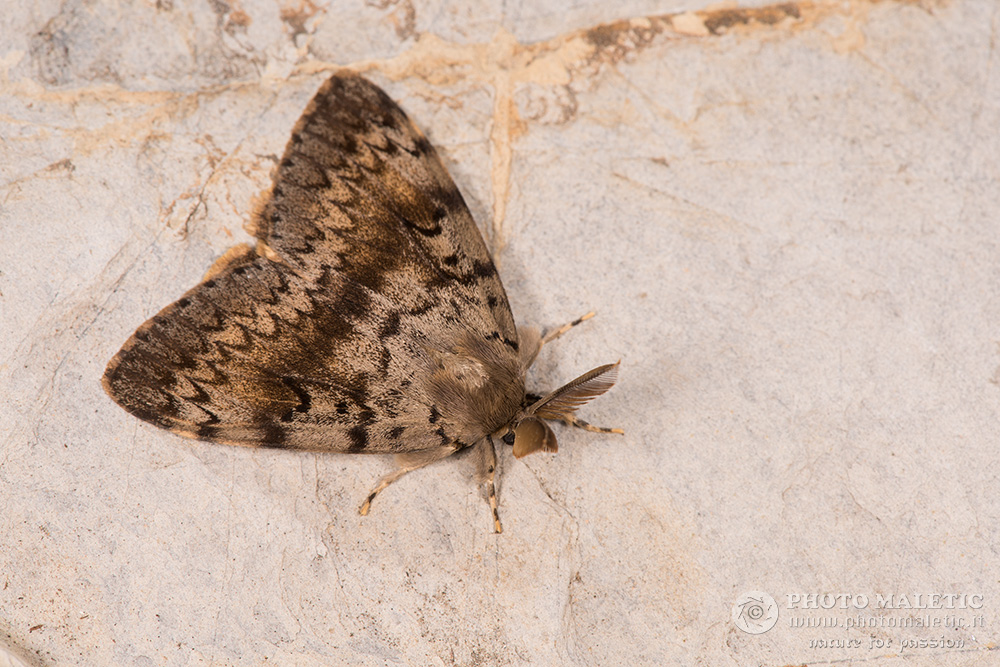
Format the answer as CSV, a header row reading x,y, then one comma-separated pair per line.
x,y
369,318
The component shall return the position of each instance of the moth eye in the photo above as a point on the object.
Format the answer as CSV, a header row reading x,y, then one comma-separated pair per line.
x,y
509,438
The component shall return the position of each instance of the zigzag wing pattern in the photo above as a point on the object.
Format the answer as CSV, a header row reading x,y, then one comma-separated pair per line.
x,y
371,318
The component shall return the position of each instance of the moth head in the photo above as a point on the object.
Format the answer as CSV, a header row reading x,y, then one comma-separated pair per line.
x,y
529,433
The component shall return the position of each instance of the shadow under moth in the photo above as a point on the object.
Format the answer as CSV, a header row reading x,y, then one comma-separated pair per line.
x,y
369,318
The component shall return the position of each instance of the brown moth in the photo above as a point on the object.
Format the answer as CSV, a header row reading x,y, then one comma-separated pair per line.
x,y
368,319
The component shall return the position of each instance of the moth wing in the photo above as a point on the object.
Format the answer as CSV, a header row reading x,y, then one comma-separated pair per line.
x,y
362,192
258,356
331,336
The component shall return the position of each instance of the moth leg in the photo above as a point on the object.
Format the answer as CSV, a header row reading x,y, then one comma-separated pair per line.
x,y
532,341
486,470
407,463
552,335
579,423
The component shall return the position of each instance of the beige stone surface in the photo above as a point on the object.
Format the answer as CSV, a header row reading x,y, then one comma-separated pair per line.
x,y
786,217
